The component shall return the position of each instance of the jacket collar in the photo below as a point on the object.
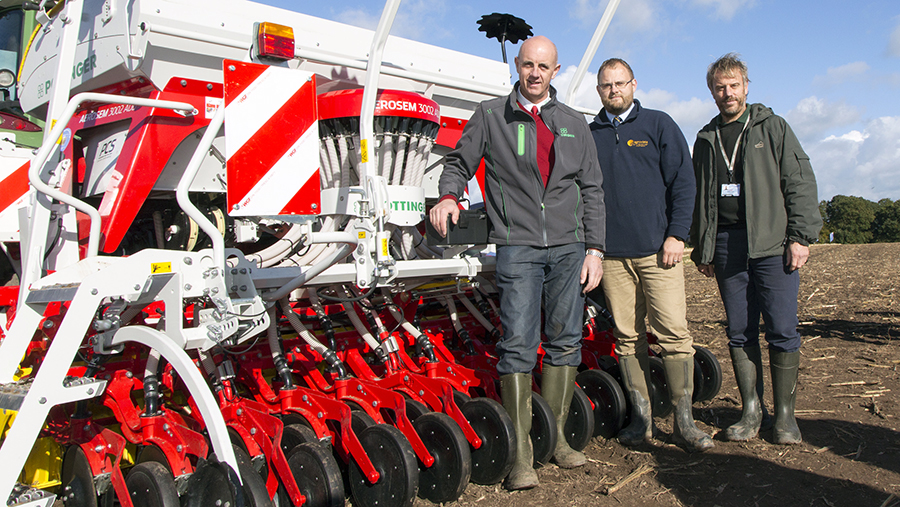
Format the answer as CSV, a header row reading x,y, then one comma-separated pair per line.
x,y
603,120
758,113
513,99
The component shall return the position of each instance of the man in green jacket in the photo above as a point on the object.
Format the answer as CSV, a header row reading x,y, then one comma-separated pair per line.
x,y
755,215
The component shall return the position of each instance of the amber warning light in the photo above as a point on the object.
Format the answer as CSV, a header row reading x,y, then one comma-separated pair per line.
x,y
275,41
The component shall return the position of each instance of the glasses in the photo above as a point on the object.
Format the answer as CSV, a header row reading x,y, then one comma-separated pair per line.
x,y
618,84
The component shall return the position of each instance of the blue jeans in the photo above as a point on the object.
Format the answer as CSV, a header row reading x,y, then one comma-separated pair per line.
x,y
750,287
525,275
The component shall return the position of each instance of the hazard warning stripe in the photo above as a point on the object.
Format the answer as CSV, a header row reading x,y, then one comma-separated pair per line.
x,y
14,186
267,194
259,102
272,142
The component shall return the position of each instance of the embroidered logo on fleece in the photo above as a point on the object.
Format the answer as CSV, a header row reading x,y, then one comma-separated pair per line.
x,y
758,145
638,144
564,132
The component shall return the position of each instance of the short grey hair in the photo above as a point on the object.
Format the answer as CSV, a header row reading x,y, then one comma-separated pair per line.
x,y
727,64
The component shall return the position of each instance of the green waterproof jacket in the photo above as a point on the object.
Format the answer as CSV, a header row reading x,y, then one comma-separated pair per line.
x,y
779,188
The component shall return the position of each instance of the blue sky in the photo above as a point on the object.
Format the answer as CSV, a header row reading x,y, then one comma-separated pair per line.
x,y
831,68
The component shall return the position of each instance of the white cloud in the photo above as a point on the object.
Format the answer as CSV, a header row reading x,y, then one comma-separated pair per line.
x,y
813,117
416,19
844,73
724,9
861,163
690,115
636,15
893,48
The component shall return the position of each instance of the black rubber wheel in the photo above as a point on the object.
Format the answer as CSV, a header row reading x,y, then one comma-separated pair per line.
x,y
210,484
609,401
415,409
711,372
446,478
360,420
296,434
543,430
394,459
659,389
317,474
150,484
492,461
77,479
580,424
460,398
255,493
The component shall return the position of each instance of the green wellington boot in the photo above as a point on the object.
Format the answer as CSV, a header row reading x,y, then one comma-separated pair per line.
x,y
515,389
634,370
747,365
784,367
680,377
557,388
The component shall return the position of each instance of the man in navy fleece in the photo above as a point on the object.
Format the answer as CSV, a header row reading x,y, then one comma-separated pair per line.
x,y
648,181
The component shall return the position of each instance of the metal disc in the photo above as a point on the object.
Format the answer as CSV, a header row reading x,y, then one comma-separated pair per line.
x,y
77,479
579,427
394,459
660,399
446,478
495,458
608,399
317,474
711,371
209,485
150,484
543,430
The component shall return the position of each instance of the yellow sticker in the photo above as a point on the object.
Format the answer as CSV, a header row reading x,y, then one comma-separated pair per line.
x,y
161,267
384,247
362,235
364,150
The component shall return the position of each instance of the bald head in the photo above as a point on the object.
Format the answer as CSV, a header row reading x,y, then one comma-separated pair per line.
x,y
537,66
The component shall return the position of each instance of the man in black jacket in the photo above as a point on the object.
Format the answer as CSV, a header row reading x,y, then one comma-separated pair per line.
x,y
648,182
545,204
756,214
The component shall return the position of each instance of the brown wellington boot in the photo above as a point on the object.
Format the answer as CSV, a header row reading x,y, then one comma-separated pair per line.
x,y
634,370
515,389
784,367
680,377
557,388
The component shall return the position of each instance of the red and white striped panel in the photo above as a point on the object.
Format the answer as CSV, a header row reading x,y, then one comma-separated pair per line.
x,y
271,140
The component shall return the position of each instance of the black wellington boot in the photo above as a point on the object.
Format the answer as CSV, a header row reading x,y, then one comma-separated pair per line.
x,y
747,364
634,371
680,377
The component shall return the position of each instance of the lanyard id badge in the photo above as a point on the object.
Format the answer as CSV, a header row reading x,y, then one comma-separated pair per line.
x,y
731,189
729,161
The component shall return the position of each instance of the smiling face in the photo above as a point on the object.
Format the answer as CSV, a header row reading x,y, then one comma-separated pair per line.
x,y
730,94
616,88
537,66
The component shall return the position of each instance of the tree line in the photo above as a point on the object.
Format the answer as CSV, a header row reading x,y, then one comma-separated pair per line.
x,y
851,219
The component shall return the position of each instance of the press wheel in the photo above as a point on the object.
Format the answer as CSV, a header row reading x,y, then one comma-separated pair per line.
x,y
495,458
446,478
415,409
660,399
150,484
608,399
580,423
711,372
212,483
543,430
296,434
394,459
255,492
317,475
77,479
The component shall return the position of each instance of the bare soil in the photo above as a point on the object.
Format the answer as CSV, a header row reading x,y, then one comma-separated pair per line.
x,y
847,409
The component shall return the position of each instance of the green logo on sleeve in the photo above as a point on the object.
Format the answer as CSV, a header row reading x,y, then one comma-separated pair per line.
x,y
564,132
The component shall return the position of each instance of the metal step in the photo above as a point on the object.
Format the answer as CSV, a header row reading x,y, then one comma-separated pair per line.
x,y
13,394
25,496
52,293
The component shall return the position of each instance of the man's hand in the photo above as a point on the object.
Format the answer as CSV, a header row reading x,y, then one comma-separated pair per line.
x,y
797,255
438,215
672,252
707,269
591,273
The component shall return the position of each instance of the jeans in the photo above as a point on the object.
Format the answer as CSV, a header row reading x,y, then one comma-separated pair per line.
x,y
525,276
750,287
